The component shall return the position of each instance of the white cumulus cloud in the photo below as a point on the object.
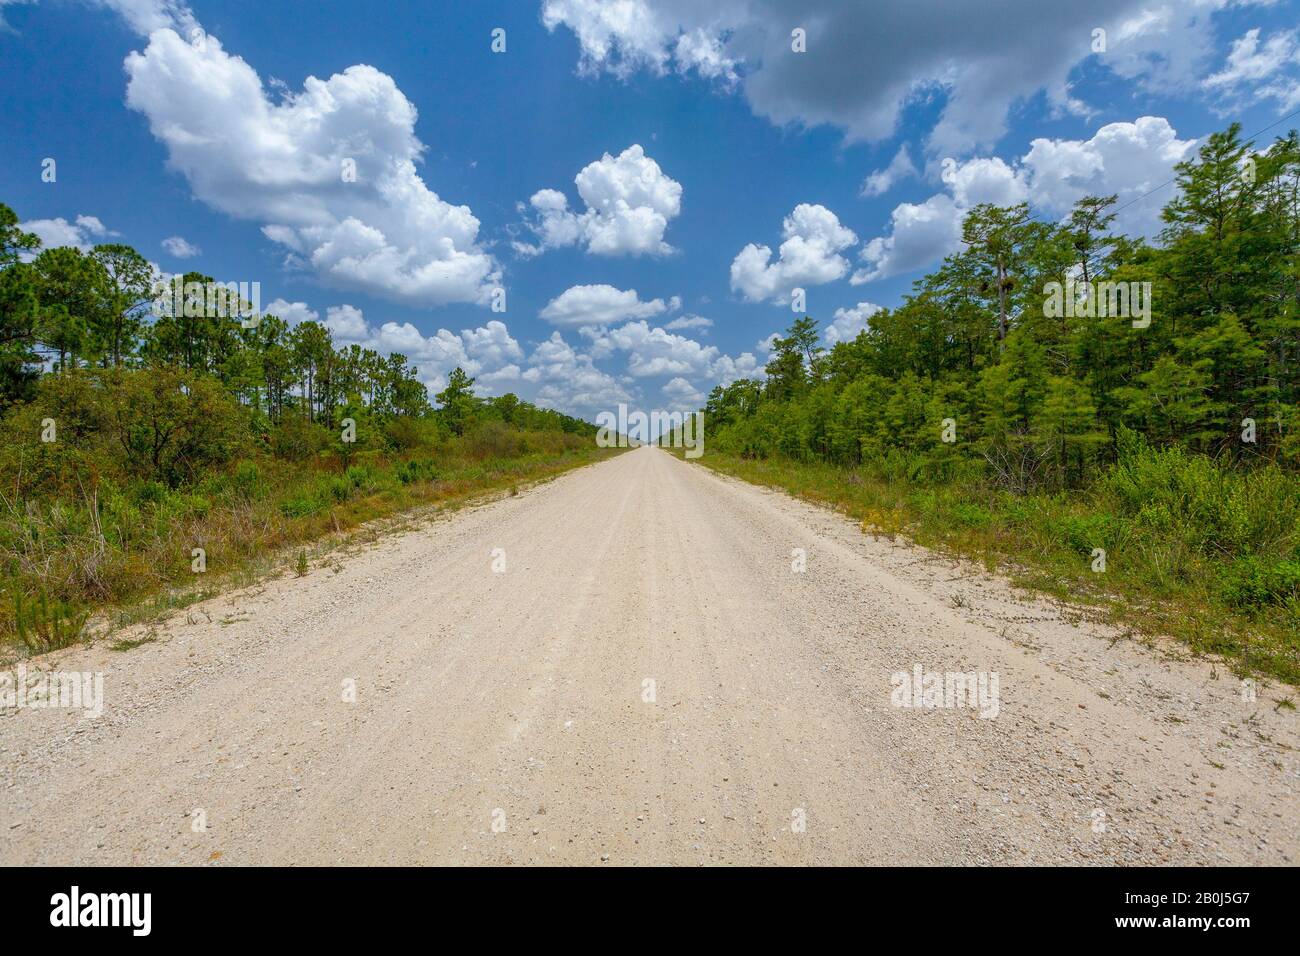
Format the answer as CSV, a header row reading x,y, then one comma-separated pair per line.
x,y
809,255
652,350
180,247
682,394
568,380
847,323
82,233
1127,159
292,312
598,305
628,203
288,165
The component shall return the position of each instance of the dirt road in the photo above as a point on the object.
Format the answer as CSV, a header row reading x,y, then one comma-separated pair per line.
x,y
625,666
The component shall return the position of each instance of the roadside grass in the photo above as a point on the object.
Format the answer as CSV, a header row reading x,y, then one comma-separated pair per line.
x,y
73,571
1208,555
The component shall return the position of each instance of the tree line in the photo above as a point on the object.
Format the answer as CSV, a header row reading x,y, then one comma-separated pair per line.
x,y
83,339
981,370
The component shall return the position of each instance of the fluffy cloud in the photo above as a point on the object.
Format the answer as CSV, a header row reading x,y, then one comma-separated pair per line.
x,y
1261,70
569,380
847,323
984,180
866,63
292,312
180,248
727,369
1128,159
682,394
491,345
919,234
82,233
922,233
288,165
598,305
689,322
629,201
882,180
706,55
347,324
630,35
810,255
652,351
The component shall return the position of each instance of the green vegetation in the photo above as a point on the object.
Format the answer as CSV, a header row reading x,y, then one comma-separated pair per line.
x,y
141,453
983,415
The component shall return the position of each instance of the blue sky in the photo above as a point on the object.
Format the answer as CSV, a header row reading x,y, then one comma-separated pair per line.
x,y
648,180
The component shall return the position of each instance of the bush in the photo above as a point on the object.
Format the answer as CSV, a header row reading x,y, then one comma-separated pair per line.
x,y
149,493
359,476
248,481
1255,582
172,425
294,438
408,472
46,624
493,439
404,434
300,506
1084,532
972,516
1214,508
340,489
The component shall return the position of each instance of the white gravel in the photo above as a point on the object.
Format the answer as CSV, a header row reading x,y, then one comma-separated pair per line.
x,y
504,717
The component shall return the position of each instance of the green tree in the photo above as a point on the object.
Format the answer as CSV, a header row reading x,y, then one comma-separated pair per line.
x,y
173,425
1089,220
73,293
130,294
1067,423
19,311
457,401
996,237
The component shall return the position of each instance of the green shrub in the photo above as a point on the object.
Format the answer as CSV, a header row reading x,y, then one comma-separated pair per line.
x,y
971,516
1215,508
248,480
338,488
493,439
149,493
1254,582
1083,533
47,624
417,469
359,476
300,506
294,438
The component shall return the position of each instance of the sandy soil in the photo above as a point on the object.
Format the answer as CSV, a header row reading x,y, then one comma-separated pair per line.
x,y
504,716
